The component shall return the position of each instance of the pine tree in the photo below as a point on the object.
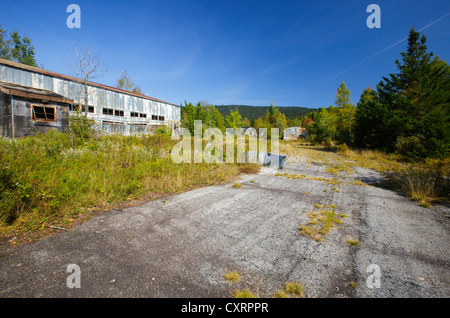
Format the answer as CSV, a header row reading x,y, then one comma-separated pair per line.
x,y
369,121
416,101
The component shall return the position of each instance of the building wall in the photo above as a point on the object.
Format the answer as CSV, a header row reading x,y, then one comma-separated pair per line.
x,y
5,115
22,120
99,98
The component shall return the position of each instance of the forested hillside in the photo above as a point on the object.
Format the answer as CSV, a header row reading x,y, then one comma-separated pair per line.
x,y
254,112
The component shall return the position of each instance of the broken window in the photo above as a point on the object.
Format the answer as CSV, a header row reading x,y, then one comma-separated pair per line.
x,y
43,113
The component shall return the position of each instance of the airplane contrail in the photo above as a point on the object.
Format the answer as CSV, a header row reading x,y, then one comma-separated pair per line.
x,y
386,48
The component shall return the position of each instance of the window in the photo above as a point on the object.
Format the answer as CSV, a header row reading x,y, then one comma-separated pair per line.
x,y
112,123
154,117
113,112
143,115
134,114
90,109
161,118
43,113
108,111
76,107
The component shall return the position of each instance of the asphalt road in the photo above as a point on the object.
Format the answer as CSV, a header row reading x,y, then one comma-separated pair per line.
x,y
182,245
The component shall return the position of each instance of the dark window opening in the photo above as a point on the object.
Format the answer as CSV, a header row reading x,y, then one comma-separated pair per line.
x,y
134,114
118,113
108,111
154,117
76,107
143,115
43,113
90,109
161,118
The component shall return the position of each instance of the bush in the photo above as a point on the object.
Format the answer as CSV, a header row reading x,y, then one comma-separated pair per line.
x,y
81,129
163,130
410,147
343,149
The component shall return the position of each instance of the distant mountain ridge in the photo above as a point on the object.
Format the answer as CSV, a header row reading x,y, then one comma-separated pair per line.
x,y
254,112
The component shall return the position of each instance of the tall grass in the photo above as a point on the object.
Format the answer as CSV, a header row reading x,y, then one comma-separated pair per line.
x,y
426,182
46,180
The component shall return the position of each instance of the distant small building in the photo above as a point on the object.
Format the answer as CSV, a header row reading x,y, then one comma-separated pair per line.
x,y
247,131
294,133
25,111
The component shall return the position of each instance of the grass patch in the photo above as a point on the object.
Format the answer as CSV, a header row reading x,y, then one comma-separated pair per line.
x,y
232,276
353,284
295,289
281,294
246,293
237,185
352,242
294,176
358,183
320,223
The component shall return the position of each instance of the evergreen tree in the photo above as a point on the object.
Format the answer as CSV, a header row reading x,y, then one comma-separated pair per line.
x,y
17,49
369,121
416,101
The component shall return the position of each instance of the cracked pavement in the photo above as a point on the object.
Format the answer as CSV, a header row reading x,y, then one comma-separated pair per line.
x,y
182,245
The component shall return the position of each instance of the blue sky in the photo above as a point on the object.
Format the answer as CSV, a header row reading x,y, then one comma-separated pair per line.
x,y
234,52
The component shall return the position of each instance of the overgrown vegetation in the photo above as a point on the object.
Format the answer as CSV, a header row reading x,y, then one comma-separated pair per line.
x,y
319,224
58,179
243,288
427,182
232,276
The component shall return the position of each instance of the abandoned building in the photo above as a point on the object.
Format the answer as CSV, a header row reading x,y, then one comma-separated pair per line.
x,y
293,133
34,99
25,111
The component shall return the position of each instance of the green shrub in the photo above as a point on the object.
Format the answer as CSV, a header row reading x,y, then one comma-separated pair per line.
x,y
410,147
81,129
163,130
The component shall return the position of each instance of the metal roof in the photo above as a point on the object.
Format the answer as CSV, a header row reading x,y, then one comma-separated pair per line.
x,y
31,92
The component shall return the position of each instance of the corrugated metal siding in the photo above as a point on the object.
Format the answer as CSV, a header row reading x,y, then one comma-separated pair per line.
x,y
98,97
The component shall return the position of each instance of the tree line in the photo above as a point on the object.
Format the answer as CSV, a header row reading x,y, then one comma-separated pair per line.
x,y
211,117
